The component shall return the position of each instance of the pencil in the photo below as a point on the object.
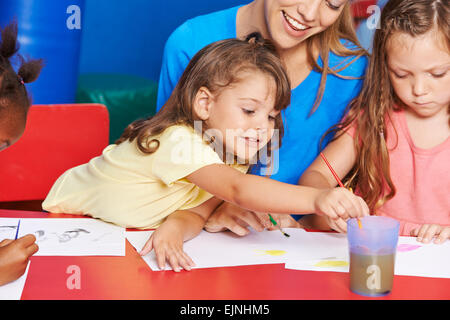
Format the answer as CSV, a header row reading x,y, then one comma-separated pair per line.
x,y
17,230
338,180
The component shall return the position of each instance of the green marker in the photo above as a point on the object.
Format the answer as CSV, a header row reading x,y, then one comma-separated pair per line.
x,y
277,225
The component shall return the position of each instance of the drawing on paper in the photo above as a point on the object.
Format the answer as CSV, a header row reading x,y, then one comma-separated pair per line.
x,y
407,247
7,228
7,232
270,252
66,236
331,263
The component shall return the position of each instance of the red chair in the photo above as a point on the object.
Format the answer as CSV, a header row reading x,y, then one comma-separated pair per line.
x,y
56,138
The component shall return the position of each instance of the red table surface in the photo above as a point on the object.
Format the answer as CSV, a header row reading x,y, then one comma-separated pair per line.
x,y
129,277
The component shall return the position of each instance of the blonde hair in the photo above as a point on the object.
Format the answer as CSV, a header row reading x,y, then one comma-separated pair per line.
x,y
370,111
329,40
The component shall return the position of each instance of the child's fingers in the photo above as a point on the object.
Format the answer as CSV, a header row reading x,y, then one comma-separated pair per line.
x,y
5,242
147,247
185,261
339,225
173,262
161,258
414,232
431,232
444,235
342,209
421,233
331,212
356,206
352,208
26,240
364,207
346,204
30,250
179,259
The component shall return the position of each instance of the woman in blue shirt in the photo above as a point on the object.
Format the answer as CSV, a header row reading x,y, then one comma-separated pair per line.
x,y
324,61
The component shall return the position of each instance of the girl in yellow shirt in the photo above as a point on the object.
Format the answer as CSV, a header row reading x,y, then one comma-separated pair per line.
x,y
172,170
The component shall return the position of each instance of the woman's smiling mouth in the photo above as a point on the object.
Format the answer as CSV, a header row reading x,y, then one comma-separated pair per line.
x,y
293,23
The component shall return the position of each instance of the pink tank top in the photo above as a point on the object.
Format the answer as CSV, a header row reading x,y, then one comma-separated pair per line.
x,y
421,177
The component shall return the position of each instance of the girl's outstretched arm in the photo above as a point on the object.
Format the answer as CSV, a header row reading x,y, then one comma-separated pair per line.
x,y
266,195
341,155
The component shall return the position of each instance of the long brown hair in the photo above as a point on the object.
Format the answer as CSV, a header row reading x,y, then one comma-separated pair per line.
x,y
330,40
215,66
370,111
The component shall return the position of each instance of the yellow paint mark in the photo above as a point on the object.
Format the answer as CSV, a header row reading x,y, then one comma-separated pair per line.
x,y
271,252
331,263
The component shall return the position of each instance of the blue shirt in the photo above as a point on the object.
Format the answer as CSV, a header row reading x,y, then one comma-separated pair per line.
x,y
300,144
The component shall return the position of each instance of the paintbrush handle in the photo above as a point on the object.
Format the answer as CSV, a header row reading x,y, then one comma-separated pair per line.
x,y
17,230
332,170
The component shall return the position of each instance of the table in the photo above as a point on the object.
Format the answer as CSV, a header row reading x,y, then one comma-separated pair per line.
x,y
129,277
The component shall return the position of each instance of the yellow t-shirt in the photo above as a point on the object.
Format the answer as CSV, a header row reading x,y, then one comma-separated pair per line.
x,y
136,190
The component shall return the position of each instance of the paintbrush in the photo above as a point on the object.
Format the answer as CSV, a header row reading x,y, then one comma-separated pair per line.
x,y
277,225
338,180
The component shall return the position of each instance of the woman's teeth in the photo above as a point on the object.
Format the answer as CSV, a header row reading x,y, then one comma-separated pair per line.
x,y
294,23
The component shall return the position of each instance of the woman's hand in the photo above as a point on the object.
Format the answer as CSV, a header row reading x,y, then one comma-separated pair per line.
x,y
282,220
236,219
231,217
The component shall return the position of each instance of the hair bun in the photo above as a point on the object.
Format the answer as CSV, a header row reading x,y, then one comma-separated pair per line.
x,y
30,69
255,38
258,41
8,43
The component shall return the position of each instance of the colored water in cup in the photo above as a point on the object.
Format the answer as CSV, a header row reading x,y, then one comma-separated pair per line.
x,y
372,254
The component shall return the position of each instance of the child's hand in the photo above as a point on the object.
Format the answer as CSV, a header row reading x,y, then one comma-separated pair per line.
x,y
339,224
168,245
340,203
426,232
14,255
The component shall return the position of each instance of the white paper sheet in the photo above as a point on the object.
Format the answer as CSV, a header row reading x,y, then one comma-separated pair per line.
x,y
424,260
412,259
8,228
314,251
223,249
74,236
13,290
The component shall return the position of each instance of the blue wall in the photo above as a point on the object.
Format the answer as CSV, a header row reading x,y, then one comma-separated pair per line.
x,y
46,30
129,36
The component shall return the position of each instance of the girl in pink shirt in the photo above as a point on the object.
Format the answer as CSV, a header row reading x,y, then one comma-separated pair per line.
x,y
393,148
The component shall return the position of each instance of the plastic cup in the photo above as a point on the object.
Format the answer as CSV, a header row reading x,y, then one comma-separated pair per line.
x,y
372,254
